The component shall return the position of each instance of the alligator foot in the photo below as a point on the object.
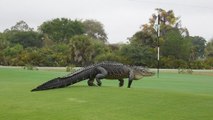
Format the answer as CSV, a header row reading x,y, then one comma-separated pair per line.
x,y
99,83
90,83
121,82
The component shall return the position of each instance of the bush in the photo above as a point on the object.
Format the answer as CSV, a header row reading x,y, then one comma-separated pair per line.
x,y
198,64
172,62
208,63
139,55
111,57
30,67
70,68
185,71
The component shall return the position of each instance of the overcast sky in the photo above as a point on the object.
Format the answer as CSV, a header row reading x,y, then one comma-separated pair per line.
x,y
121,18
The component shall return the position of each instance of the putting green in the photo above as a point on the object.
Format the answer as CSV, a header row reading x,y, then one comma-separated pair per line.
x,y
170,97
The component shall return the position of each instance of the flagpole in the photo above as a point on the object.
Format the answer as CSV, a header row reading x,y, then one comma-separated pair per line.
x,y
158,44
157,29
158,59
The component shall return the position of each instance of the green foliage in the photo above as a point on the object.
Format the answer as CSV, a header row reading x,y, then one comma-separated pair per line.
x,y
139,55
56,55
172,62
99,48
148,36
95,30
167,20
185,71
25,38
30,67
40,57
51,46
172,43
177,48
21,34
10,55
85,49
176,45
198,64
111,57
209,49
61,29
21,26
3,41
144,38
70,68
167,17
81,49
209,63
198,48
62,41
14,50
111,53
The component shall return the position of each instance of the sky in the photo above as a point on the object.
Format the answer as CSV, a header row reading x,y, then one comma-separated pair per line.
x,y
121,18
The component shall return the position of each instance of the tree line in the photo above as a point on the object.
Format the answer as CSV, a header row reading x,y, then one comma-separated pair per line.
x,y
64,42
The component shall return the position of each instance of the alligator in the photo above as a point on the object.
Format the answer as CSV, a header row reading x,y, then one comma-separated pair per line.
x,y
103,70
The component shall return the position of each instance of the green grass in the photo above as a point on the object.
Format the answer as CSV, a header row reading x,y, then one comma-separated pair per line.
x,y
170,97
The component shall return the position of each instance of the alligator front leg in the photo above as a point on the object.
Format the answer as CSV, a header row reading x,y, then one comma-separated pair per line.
x,y
121,82
103,73
131,77
129,83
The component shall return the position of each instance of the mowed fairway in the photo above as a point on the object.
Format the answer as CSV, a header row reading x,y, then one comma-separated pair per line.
x,y
170,97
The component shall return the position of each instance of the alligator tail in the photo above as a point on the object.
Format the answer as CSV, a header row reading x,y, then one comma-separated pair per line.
x,y
61,82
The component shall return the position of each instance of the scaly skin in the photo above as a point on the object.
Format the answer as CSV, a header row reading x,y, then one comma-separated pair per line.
x,y
103,70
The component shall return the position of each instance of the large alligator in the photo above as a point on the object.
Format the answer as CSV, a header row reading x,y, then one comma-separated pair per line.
x,y
107,70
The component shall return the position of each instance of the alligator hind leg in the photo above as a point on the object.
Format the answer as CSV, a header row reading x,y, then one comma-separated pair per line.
x,y
103,73
90,82
121,82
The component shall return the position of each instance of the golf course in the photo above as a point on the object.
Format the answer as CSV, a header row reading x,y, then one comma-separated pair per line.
x,y
172,96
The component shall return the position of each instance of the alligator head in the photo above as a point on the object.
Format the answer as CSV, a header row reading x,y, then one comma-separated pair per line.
x,y
140,72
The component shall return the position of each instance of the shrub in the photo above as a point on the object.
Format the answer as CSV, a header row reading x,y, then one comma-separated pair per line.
x,y
30,67
70,68
111,57
208,63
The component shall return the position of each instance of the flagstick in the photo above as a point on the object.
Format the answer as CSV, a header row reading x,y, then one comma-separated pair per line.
x,y
158,56
157,29
158,59
158,35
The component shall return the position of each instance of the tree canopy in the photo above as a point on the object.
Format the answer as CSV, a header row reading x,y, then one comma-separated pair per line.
x,y
61,29
95,30
64,42
175,43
